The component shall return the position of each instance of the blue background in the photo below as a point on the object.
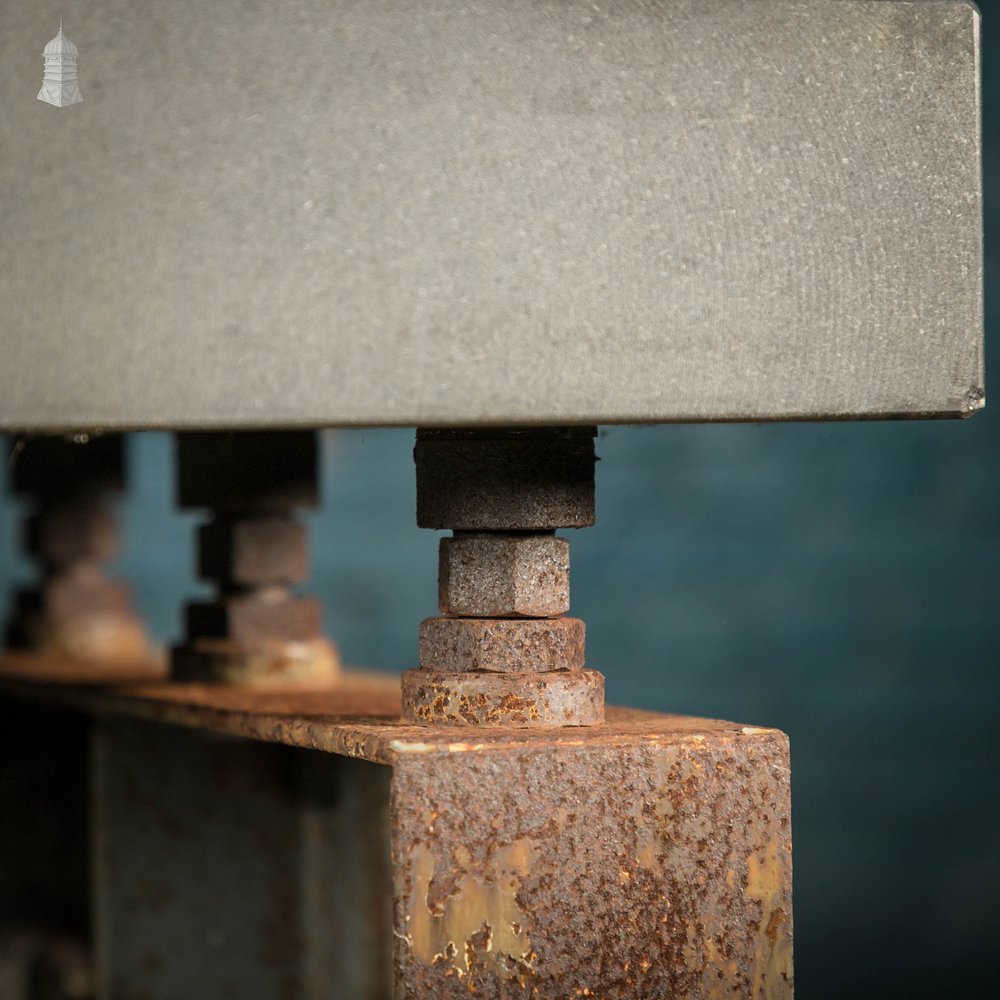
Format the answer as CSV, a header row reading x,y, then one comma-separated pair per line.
x,y
841,582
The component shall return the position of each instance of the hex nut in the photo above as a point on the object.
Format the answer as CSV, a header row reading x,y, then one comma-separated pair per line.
x,y
257,617
80,592
497,576
502,645
253,551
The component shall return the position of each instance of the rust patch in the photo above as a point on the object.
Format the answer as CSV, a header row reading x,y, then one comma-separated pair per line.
x,y
653,868
479,926
523,700
768,877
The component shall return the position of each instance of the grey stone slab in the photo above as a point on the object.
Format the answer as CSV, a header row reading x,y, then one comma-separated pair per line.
x,y
474,213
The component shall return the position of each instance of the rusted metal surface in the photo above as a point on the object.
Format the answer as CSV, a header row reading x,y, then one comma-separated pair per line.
x,y
360,717
503,575
247,472
256,631
73,533
657,868
507,645
522,699
311,716
507,479
485,662
46,674
231,868
645,857
317,716
253,551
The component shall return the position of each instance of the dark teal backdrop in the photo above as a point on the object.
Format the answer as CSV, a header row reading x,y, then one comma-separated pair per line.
x,y
841,582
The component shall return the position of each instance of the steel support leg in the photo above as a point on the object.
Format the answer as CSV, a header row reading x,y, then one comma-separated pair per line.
x,y
256,631
75,611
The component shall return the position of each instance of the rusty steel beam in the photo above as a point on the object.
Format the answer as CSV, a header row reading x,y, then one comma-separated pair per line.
x,y
648,856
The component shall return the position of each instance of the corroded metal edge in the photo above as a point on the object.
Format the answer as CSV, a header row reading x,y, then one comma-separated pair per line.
x,y
359,716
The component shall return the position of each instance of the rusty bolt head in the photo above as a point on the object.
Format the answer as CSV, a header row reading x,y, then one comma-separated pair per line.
x,y
502,645
496,576
253,551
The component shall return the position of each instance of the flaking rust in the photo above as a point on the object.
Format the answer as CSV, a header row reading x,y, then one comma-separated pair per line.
x,y
648,868
520,700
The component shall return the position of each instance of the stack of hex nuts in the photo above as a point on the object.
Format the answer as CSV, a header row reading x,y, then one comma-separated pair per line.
x,y
256,631
502,651
76,611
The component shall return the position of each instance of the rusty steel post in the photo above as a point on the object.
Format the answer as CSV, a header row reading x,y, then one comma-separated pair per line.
x,y
72,532
502,651
256,631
